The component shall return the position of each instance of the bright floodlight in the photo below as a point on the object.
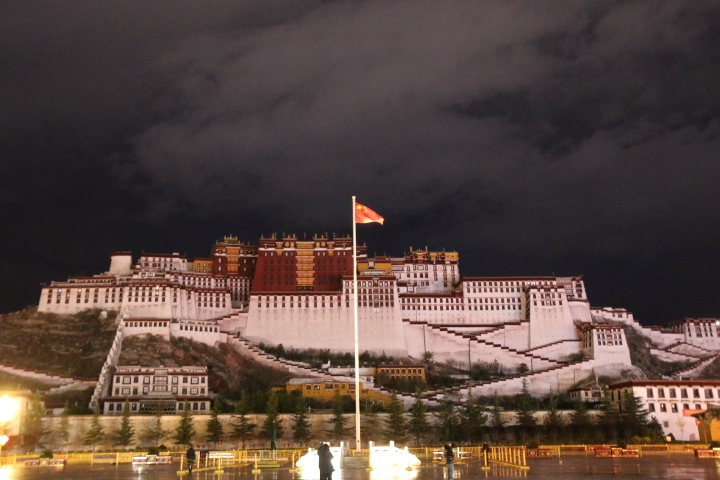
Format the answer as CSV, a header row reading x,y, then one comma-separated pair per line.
x,y
8,408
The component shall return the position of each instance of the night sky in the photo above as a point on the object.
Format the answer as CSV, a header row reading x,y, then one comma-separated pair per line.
x,y
535,138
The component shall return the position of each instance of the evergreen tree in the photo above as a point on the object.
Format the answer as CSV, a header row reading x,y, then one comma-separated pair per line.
x,y
96,434
242,427
418,425
395,427
215,433
580,421
634,418
337,422
609,419
553,420
447,421
123,437
63,431
496,421
369,420
154,433
272,419
185,430
525,413
32,425
473,419
655,431
301,433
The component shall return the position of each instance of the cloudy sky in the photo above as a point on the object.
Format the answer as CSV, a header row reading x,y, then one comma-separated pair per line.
x,y
534,137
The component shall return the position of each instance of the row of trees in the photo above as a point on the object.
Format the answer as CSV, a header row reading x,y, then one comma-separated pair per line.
x,y
467,420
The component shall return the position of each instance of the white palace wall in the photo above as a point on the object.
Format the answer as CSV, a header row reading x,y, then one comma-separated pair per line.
x,y
512,335
379,329
580,310
551,322
558,351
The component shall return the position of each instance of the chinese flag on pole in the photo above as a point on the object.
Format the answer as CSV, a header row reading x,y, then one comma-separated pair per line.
x,y
364,215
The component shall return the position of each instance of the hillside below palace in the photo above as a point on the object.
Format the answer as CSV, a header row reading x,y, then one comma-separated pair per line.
x,y
298,293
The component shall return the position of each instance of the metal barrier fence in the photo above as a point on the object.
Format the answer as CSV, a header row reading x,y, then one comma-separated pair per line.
x,y
650,449
506,455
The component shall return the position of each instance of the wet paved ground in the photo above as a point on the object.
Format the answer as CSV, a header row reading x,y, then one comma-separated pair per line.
x,y
675,467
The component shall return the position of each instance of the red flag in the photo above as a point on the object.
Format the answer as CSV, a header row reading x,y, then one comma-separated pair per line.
x,y
364,215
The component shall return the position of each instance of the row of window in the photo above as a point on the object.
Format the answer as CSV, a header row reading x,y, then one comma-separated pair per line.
x,y
425,267
159,388
362,302
547,303
330,386
663,407
459,300
162,379
461,307
199,328
142,408
684,393
492,290
155,324
363,283
511,283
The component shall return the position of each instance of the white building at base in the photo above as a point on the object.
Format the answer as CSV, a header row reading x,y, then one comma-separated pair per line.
x,y
672,402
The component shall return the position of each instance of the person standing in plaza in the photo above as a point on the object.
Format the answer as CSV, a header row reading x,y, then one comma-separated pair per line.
x,y
450,460
190,457
325,461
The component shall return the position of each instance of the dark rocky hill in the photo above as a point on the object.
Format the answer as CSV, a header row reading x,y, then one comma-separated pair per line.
x,y
69,345
230,371
77,345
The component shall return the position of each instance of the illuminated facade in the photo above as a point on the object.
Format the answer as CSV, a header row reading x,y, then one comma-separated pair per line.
x,y
289,264
672,402
327,390
148,390
299,292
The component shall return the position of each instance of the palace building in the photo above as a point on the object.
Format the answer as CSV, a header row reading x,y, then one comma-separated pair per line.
x,y
298,292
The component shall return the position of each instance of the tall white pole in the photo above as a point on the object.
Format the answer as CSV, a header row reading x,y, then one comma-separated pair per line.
x,y
358,445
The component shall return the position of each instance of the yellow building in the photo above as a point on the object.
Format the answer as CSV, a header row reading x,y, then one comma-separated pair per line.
x,y
407,372
202,265
325,391
708,423
375,266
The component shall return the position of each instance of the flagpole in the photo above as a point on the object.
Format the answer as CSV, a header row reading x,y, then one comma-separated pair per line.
x,y
355,319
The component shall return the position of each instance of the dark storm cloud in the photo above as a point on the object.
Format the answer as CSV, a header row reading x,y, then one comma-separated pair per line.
x,y
533,137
